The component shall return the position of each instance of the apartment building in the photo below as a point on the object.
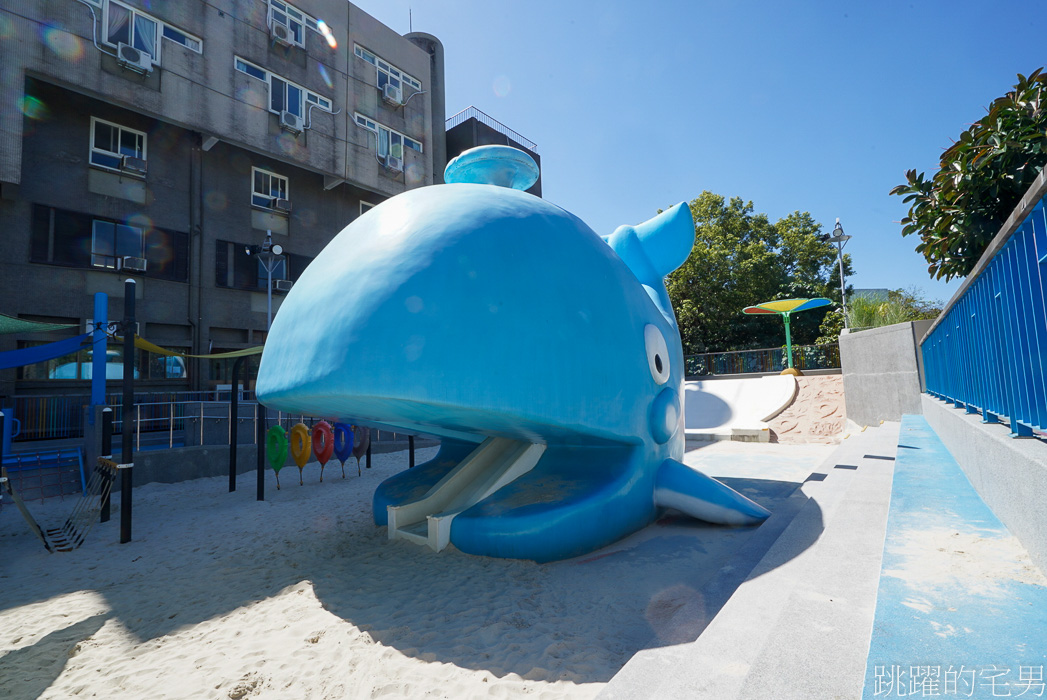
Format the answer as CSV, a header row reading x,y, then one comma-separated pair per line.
x,y
165,141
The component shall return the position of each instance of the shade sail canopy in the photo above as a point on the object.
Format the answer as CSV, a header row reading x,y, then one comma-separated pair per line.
x,y
10,324
787,306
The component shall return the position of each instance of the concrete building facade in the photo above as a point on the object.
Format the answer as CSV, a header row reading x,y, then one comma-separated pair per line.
x,y
160,141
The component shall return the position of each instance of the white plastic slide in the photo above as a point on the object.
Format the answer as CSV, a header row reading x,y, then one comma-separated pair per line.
x,y
735,409
492,465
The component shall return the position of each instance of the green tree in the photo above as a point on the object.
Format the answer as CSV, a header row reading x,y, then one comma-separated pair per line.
x,y
959,210
740,258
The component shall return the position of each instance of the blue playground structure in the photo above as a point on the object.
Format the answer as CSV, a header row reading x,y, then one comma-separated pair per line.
x,y
546,358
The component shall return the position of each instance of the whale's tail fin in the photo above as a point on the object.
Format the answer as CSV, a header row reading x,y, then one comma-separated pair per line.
x,y
688,490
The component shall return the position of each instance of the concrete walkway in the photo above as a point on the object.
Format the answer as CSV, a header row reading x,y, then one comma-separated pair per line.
x,y
798,625
962,609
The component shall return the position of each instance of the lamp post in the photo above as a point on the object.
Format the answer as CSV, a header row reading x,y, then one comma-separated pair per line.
x,y
267,254
840,239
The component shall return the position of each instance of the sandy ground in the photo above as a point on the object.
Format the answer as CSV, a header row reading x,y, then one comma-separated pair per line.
x,y
301,596
817,414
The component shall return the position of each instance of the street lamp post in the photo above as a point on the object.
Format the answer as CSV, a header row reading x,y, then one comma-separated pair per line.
x,y
840,239
268,253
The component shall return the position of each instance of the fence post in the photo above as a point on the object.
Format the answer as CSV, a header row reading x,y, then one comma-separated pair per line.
x,y
259,436
234,418
128,402
106,450
410,448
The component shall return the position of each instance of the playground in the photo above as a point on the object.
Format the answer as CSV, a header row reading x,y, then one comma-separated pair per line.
x,y
219,595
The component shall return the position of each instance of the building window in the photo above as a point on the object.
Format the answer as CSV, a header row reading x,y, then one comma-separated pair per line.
x,y
390,142
386,72
235,269
112,241
71,239
267,188
283,94
290,17
126,25
110,143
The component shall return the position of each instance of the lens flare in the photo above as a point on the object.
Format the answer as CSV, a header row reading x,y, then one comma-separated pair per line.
x,y
502,86
65,45
33,108
326,31
325,75
140,221
7,27
216,201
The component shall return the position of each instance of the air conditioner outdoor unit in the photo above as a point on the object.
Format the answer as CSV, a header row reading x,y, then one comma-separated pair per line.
x,y
392,94
280,33
282,204
282,285
132,264
290,122
394,163
134,165
135,59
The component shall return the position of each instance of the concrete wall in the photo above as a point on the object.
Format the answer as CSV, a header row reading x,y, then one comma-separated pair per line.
x,y
1009,474
882,372
207,125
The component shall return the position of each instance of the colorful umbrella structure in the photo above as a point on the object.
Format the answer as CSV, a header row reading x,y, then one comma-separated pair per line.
x,y
784,308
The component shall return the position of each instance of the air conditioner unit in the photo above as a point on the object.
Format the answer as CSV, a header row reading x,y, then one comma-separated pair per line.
x,y
134,59
392,94
282,204
282,285
394,163
290,121
280,33
134,165
132,264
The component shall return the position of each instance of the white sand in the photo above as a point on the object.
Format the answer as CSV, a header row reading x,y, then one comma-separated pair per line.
x,y
301,596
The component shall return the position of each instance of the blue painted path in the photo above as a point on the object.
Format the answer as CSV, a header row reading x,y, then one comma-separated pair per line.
x,y
961,609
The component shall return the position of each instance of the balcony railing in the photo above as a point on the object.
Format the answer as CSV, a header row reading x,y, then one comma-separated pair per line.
x,y
987,351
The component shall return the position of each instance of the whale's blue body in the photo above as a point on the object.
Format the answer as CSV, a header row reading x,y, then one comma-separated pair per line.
x,y
470,311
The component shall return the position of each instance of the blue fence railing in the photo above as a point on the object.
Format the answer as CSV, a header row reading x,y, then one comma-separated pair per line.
x,y
987,352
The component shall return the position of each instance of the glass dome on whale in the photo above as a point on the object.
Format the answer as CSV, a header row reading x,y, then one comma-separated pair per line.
x,y
545,357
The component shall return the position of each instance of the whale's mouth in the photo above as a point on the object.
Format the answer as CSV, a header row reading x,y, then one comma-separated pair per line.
x,y
473,424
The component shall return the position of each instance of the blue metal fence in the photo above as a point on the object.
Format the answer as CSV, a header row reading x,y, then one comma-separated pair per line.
x,y
987,352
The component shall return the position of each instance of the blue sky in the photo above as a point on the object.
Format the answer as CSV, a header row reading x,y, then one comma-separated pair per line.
x,y
810,106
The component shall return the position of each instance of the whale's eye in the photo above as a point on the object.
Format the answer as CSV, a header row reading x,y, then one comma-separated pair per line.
x,y
657,353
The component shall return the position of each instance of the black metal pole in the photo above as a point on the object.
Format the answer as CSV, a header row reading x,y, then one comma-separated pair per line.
x,y
107,452
260,442
410,448
234,415
368,454
127,424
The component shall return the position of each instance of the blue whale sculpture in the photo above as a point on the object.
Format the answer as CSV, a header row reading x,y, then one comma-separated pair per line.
x,y
546,358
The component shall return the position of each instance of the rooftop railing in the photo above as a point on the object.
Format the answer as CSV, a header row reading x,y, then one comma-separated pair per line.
x,y
474,113
987,351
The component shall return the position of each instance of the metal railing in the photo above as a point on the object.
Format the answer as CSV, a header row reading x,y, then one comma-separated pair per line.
x,y
474,113
62,416
805,357
987,351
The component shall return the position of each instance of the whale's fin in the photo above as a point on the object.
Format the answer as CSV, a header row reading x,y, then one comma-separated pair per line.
x,y
688,490
655,248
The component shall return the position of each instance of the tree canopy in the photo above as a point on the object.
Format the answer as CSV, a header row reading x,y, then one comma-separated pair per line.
x,y
740,258
957,211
